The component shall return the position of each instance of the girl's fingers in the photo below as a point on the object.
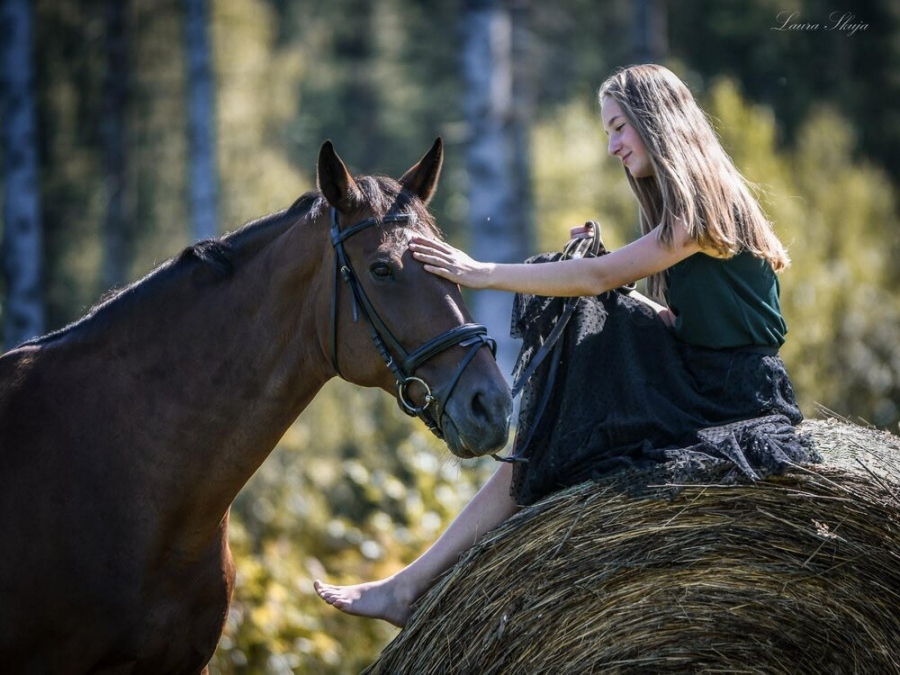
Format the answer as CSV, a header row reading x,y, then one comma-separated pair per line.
x,y
433,247
420,249
419,241
425,250
431,254
438,258
430,259
439,271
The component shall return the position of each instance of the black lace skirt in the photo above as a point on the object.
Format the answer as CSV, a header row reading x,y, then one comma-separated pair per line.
x,y
624,393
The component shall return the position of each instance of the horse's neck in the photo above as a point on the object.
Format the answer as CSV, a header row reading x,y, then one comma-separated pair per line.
x,y
270,366
222,371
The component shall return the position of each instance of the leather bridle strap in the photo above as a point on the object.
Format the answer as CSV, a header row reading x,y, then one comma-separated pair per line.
x,y
576,248
344,270
464,335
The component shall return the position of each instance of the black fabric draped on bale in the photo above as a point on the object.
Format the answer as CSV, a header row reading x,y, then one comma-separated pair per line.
x,y
624,393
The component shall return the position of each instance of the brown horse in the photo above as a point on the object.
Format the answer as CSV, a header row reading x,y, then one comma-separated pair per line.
x,y
125,437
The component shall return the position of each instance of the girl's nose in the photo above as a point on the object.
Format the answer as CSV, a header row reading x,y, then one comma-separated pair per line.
x,y
613,147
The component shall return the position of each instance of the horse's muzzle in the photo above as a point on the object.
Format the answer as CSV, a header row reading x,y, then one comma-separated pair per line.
x,y
476,418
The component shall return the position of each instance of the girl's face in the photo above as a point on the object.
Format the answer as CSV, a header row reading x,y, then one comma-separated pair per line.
x,y
624,141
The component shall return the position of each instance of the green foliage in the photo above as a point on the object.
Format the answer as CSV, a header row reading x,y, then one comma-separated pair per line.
x,y
354,491
257,75
71,191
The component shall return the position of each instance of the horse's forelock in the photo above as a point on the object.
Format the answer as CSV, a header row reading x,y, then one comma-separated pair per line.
x,y
385,195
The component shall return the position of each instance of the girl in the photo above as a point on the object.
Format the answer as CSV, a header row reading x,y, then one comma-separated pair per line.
x,y
695,380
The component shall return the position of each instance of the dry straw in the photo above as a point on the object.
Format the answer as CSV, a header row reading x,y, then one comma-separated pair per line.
x,y
796,574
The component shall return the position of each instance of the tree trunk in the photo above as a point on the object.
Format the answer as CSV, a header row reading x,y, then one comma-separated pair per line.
x,y
120,205
497,116
23,315
201,122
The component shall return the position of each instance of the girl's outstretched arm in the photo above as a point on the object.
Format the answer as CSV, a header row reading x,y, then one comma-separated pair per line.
x,y
585,276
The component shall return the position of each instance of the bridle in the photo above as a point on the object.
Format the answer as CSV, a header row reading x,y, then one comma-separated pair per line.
x,y
402,364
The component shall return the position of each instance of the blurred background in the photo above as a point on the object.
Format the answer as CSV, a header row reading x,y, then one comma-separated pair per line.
x,y
131,128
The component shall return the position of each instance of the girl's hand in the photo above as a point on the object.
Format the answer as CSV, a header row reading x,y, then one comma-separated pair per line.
x,y
667,316
442,259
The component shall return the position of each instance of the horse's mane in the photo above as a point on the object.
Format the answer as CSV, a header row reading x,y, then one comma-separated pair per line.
x,y
218,255
382,194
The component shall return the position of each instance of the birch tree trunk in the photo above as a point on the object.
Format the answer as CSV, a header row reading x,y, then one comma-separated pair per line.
x,y
497,114
201,122
23,313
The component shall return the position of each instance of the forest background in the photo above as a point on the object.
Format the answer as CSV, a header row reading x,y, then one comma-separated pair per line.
x,y
158,122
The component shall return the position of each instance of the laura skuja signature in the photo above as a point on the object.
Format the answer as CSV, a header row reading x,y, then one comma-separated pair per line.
x,y
844,22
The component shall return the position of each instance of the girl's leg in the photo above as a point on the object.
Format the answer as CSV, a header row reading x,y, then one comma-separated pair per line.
x,y
391,599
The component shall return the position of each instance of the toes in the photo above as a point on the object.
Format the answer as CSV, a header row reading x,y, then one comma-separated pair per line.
x,y
327,592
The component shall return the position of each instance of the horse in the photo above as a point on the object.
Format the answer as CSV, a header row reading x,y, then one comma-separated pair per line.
x,y
125,436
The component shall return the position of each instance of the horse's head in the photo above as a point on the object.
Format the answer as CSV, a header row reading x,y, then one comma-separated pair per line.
x,y
396,326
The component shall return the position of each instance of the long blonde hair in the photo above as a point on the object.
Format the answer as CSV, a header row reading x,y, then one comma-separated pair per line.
x,y
695,180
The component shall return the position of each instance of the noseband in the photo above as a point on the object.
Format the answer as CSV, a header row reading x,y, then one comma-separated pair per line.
x,y
402,363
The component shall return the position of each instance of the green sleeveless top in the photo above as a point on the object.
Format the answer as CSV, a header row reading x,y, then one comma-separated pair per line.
x,y
726,303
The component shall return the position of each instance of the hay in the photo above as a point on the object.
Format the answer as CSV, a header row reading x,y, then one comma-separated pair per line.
x,y
795,574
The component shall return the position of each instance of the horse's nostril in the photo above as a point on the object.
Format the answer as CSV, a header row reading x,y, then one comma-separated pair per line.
x,y
479,411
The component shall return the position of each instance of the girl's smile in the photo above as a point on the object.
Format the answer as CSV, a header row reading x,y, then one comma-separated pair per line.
x,y
624,141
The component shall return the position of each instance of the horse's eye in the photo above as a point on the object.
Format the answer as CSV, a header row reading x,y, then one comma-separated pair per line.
x,y
381,271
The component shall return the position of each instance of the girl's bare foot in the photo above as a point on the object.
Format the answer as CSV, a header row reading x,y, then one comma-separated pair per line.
x,y
383,599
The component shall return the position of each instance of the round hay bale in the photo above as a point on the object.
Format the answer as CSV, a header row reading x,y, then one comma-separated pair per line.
x,y
794,574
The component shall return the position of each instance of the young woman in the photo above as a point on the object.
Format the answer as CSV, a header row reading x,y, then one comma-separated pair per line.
x,y
696,379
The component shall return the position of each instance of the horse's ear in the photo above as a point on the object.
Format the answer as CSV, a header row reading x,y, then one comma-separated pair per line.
x,y
422,179
335,181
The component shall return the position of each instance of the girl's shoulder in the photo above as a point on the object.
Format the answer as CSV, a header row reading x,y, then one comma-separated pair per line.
x,y
710,265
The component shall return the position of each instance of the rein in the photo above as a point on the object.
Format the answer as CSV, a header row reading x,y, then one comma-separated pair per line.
x,y
588,247
471,335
